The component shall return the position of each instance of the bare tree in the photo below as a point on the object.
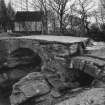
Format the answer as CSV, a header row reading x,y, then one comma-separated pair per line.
x,y
60,9
84,10
11,16
96,17
3,15
102,11
7,14
57,10
42,5
73,20
103,3
10,11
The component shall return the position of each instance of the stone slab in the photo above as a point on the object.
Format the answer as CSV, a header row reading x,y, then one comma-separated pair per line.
x,y
50,38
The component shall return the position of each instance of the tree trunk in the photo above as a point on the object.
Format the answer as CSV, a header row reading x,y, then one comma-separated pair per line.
x,y
45,24
82,29
87,28
61,23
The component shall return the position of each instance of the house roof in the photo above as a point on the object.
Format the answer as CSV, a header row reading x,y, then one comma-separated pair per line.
x,y
28,16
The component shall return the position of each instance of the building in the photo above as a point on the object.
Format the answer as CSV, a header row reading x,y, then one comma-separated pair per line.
x,y
28,21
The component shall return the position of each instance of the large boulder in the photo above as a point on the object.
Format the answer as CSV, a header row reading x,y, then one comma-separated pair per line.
x,y
90,65
30,86
11,75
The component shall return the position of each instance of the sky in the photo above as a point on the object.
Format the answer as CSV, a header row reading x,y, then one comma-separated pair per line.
x,y
7,1
17,6
17,1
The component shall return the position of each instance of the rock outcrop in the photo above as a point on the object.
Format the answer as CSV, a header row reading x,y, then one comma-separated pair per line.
x,y
93,96
40,87
91,65
30,86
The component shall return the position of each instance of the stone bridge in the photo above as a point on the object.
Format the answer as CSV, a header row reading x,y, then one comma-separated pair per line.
x,y
54,51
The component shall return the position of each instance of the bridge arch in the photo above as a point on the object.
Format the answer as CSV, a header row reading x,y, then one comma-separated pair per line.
x,y
27,54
